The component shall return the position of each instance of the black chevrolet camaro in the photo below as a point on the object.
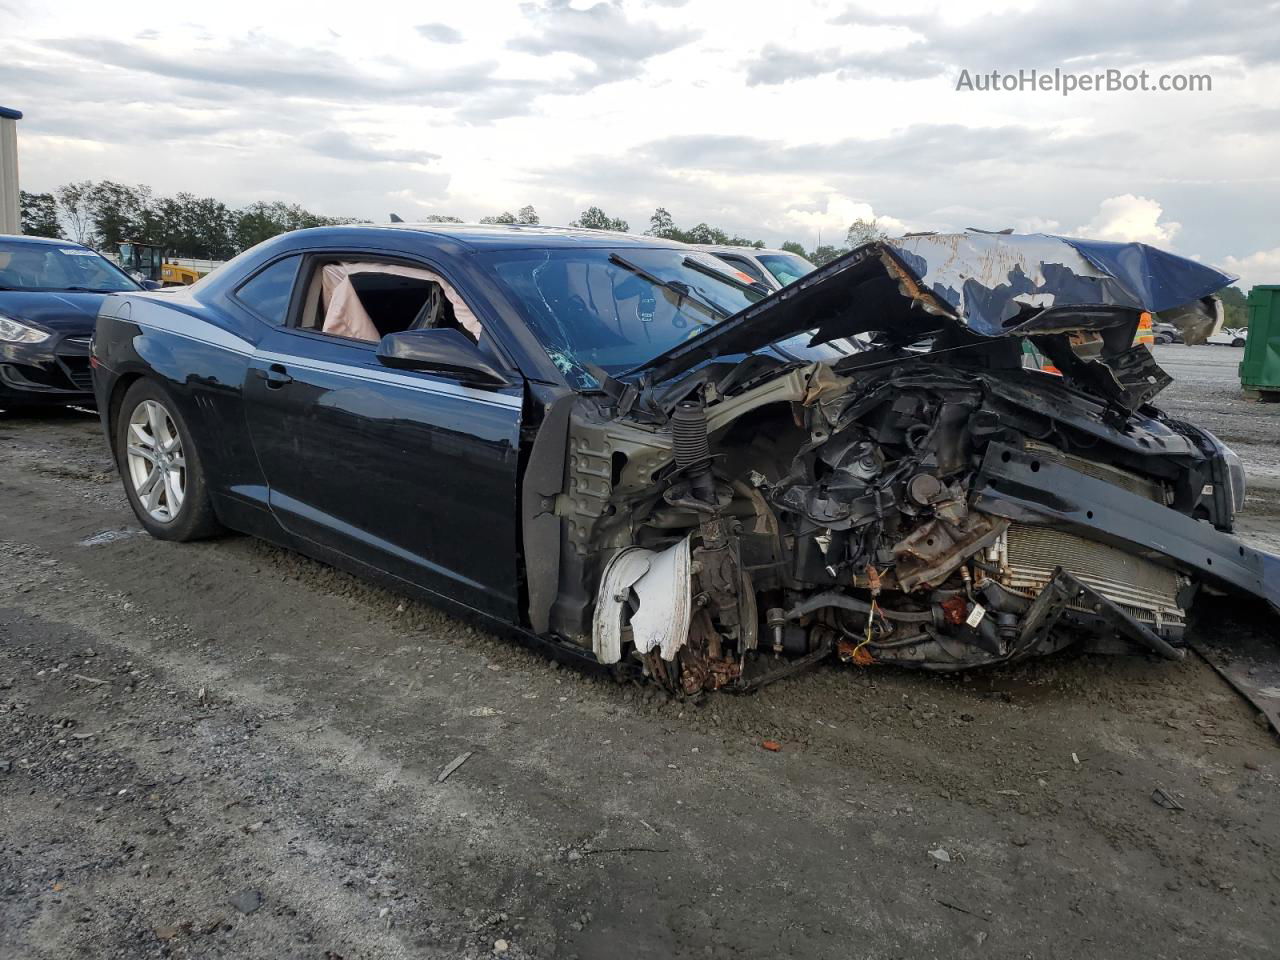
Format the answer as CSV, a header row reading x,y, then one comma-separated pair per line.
x,y
623,448
50,292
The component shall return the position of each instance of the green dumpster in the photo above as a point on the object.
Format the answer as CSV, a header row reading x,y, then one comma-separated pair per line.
x,y
1260,368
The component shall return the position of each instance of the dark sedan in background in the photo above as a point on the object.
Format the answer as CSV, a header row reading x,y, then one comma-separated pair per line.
x,y
619,446
50,292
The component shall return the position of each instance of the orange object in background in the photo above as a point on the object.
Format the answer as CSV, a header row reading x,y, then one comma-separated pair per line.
x,y
1146,330
1145,334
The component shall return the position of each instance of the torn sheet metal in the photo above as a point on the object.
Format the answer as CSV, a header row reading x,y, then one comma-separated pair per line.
x,y
993,285
619,577
666,603
662,588
989,279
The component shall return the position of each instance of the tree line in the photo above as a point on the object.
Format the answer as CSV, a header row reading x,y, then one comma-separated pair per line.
x,y
103,214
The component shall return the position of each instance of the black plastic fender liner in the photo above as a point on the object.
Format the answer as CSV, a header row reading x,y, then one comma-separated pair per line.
x,y
1022,486
540,527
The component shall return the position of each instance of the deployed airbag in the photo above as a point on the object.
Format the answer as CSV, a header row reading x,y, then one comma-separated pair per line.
x,y
345,315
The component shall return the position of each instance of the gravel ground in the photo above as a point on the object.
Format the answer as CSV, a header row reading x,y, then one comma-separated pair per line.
x,y
227,750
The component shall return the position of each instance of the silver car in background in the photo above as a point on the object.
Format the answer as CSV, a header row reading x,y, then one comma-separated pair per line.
x,y
774,268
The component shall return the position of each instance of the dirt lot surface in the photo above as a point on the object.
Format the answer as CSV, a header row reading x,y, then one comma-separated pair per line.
x,y
227,750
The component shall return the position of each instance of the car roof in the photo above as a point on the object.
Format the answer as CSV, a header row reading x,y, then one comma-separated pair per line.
x,y
517,236
44,241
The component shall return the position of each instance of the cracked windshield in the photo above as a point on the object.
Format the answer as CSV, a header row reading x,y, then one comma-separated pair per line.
x,y
617,308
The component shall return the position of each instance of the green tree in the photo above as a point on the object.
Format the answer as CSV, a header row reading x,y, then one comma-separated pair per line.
x,y
262,221
256,223
39,215
663,225
198,227
526,215
1235,307
440,218
121,212
864,231
792,247
593,218
825,254
76,206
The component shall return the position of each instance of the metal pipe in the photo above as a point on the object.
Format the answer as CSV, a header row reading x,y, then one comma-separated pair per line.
x,y
843,602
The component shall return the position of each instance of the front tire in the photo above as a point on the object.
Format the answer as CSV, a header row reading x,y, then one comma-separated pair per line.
x,y
161,467
1238,342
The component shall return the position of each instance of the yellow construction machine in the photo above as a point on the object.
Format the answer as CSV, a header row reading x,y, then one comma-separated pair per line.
x,y
148,260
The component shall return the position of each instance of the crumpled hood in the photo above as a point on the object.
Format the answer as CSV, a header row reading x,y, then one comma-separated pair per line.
x,y
66,313
994,285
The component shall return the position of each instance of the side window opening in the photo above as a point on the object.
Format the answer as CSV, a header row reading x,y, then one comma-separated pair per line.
x,y
366,300
267,292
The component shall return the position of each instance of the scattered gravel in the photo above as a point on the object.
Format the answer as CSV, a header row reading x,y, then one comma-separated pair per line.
x,y
226,750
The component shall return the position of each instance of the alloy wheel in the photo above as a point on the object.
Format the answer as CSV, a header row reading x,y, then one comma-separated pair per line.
x,y
157,465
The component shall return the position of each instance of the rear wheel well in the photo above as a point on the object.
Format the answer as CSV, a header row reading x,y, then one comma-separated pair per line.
x,y
116,400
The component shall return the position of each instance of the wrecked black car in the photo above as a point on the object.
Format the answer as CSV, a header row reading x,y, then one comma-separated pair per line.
x,y
620,448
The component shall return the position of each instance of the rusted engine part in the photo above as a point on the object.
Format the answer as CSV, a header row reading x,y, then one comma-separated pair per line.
x,y
929,554
991,625
723,591
703,664
883,488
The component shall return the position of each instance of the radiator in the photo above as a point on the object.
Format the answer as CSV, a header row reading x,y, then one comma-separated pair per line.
x,y
1146,590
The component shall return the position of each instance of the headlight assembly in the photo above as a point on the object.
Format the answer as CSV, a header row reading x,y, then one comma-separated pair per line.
x,y
11,331
1235,471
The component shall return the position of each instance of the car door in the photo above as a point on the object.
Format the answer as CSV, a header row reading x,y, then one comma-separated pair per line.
x,y
411,472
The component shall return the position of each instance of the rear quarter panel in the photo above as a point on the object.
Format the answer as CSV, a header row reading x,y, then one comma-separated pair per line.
x,y
200,353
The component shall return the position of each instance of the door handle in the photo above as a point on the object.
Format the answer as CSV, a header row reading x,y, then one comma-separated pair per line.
x,y
276,376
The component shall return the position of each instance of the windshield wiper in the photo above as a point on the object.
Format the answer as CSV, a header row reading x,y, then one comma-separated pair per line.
x,y
758,289
680,289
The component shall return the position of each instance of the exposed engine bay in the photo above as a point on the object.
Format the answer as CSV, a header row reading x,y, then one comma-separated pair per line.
x,y
849,514
940,508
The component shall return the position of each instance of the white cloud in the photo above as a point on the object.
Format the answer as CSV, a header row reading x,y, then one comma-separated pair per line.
x,y
1130,219
1262,266
631,104
1036,225
833,217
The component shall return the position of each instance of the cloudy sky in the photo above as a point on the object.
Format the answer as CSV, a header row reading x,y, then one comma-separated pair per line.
x,y
774,119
